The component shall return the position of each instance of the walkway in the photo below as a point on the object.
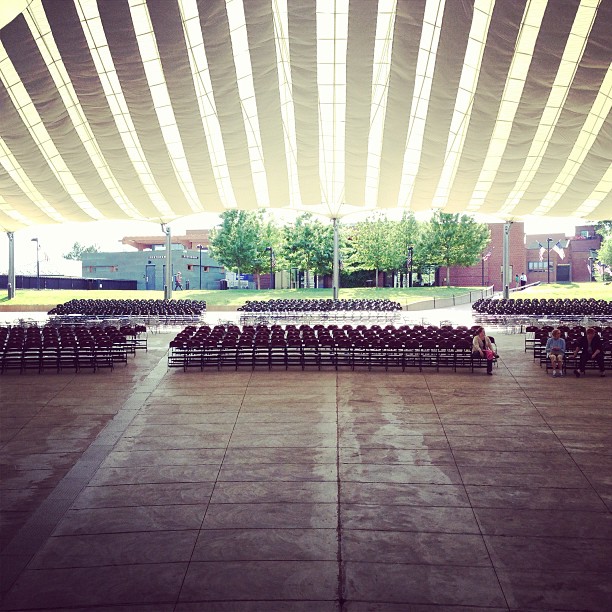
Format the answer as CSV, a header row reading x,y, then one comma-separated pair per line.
x,y
306,491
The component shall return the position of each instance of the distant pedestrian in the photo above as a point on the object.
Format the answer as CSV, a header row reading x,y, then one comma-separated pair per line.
x,y
178,281
523,279
516,280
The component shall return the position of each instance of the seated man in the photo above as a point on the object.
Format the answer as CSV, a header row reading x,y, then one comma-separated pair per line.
x,y
590,347
555,351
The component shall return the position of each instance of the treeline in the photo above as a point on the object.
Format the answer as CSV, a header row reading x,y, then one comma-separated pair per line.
x,y
252,242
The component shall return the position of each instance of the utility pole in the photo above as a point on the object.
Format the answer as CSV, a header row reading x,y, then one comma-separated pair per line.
x,y
200,247
168,279
410,251
548,241
336,269
270,250
37,263
505,263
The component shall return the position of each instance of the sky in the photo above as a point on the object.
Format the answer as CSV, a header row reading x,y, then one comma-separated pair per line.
x,y
56,240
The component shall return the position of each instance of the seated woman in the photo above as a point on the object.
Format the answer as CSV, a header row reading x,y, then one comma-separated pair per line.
x,y
555,351
482,347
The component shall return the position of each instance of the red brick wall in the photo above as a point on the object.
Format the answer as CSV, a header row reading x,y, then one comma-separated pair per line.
x,y
523,249
576,252
473,275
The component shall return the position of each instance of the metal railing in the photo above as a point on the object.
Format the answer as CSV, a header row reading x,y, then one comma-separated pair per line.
x,y
449,302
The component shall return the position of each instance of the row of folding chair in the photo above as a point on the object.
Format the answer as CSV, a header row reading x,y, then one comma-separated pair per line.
x,y
535,334
314,316
544,307
115,307
304,347
50,348
323,305
571,362
136,337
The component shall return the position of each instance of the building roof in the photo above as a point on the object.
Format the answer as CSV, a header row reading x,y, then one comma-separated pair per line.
x,y
190,240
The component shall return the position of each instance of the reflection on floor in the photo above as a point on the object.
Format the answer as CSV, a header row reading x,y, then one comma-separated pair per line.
x,y
306,491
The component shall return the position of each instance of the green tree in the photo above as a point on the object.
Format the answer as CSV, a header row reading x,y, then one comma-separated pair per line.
x,y
371,246
308,245
235,243
604,255
269,237
453,240
403,235
604,228
77,250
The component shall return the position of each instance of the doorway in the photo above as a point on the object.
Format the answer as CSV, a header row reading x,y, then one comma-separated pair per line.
x,y
150,277
563,273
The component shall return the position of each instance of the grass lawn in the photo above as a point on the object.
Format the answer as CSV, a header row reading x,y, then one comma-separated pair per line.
x,y
232,297
599,291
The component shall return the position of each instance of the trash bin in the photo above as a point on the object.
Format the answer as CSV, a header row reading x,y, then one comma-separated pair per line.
x,y
187,284
223,284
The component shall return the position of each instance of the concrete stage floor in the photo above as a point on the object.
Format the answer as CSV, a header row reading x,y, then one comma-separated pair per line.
x,y
148,489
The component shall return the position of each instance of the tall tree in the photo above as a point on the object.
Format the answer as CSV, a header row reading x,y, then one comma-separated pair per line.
x,y
77,250
404,234
453,240
268,244
235,243
371,246
308,245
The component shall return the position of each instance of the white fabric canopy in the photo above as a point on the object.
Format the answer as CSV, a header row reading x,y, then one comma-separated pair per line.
x,y
134,109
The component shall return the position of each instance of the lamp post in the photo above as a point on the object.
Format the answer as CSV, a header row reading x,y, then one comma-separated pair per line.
x,y
591,269
37,263
548,241
272,279
410,251
482,260
200,247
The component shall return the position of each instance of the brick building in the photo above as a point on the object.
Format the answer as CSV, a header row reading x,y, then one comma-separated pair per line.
x,y
578,251
524,251
489,270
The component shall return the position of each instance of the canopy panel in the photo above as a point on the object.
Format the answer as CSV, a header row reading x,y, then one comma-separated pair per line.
x,y
158,109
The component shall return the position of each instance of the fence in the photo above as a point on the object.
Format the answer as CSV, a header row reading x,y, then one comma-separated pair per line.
x,y
448,302
67,282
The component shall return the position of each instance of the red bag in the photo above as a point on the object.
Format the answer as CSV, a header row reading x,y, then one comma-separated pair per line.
x,y
489,354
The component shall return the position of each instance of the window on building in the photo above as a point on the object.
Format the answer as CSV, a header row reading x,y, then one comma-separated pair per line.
x,y
189,267
584,233
538,266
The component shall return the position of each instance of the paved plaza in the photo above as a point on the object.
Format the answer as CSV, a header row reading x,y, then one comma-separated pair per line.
x,y
149,489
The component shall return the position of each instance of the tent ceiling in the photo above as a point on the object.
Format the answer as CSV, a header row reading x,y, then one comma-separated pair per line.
x,y
134,109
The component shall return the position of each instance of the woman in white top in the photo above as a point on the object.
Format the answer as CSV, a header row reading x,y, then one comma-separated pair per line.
x,y
481,345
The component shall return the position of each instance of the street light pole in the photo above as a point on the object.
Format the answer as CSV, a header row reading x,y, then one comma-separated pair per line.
x,y
37,263
200,247
482,270
410,250
548,241
591,269
272,279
